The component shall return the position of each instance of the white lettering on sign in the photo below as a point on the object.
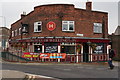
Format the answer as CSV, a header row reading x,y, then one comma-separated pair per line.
x,y
98,47
51,26
79,34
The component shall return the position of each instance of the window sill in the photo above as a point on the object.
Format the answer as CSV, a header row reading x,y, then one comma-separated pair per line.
x,y
38,32
97,33
68,31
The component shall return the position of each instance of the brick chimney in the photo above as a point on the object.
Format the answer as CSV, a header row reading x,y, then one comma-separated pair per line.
x,y
88,5
23,15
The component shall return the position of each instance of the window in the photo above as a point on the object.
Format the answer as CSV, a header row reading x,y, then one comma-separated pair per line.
x,y
16,32
97,28
99,48
38,48
51,47
12,33
38,26
68,49
19,31
67,25
3,43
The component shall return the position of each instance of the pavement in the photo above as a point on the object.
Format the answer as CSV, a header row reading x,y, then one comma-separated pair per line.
x,y
116,63
12,74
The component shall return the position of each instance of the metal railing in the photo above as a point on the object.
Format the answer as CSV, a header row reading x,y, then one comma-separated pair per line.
x,y
12,58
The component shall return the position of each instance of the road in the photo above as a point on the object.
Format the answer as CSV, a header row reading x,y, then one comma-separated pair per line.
x,y
64,70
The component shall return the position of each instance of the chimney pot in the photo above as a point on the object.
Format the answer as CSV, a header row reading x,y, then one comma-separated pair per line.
x,y
89,5
23,15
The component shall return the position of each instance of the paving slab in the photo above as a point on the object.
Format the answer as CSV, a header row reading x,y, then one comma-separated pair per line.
x,y
18,75
12,74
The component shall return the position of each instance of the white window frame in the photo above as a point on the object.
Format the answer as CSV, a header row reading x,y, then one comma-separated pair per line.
x,y
12,33
16,32
19,31
36,24
68,23
97,27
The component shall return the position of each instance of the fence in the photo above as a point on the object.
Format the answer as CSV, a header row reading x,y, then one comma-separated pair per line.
x,y
12,58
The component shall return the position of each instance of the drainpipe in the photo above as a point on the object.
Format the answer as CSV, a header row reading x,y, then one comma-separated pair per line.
x,y
103,27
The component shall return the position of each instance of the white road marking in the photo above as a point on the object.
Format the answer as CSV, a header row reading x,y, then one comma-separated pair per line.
x,y
66,69
38,75
80,67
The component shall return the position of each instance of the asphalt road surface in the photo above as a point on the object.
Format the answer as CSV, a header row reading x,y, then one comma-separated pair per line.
x,y
61,71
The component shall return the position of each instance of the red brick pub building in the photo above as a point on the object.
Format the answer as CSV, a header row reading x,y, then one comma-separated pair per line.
x,y
61,28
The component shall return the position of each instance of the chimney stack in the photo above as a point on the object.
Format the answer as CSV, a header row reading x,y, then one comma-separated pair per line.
x,y
88,5
23,15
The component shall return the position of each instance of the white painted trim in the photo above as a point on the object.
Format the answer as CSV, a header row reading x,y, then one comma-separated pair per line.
x,y
32,47
91,54
108,47
81,53
59,49
77,57
42,48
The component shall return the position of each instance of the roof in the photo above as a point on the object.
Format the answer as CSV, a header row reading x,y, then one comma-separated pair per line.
x,y
53,5
56,5
117,31
4,28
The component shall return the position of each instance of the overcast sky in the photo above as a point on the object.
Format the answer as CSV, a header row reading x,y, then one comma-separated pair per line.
x,y
10,10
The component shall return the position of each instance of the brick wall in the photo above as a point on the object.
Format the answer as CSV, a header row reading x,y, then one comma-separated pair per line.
x,y
84,20
115,39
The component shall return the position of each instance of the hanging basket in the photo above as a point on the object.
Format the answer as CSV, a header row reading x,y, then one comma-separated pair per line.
x,y
93,46
78,48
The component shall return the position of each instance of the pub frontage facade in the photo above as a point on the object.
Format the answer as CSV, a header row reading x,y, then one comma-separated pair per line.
x,y
78,35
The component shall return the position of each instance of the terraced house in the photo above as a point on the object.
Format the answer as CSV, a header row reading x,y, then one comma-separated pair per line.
x,y
4,37
81,34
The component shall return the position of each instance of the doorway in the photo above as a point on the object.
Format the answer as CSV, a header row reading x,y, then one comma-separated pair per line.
x,y
85,52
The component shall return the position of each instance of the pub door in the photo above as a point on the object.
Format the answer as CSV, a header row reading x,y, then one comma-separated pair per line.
x,y
85,52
